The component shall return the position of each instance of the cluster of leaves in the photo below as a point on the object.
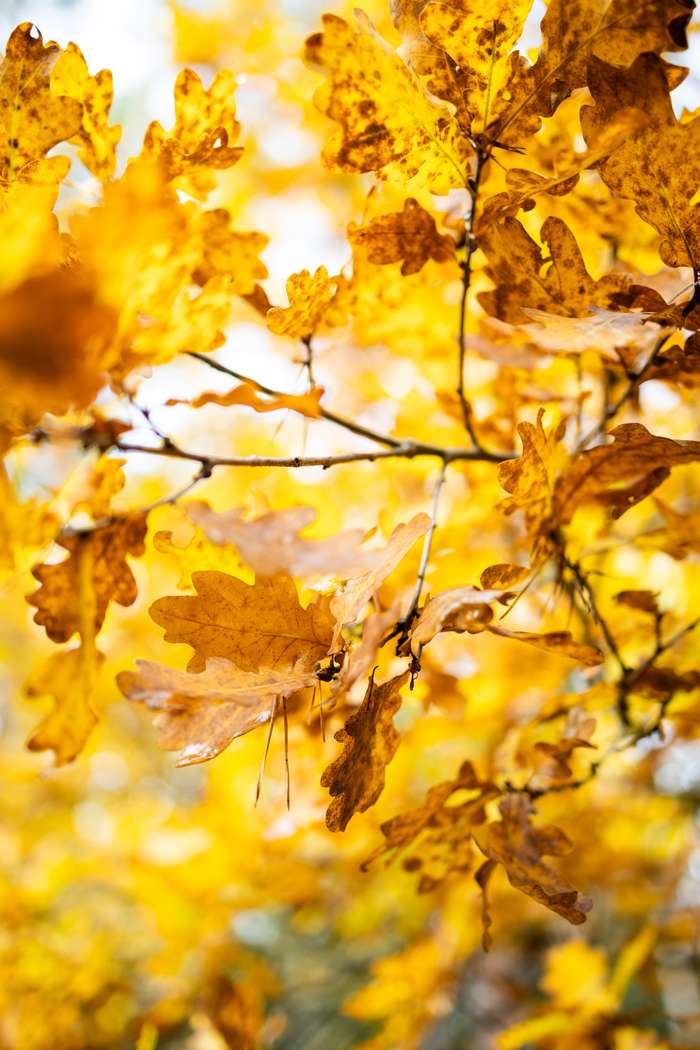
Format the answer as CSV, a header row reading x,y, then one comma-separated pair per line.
x,y
544,478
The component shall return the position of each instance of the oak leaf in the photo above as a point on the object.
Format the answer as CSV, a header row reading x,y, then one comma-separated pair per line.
x,y
309,297
69,677
202,138
32,119
457,609
97,139
255,626
349,603
438,834
560,642
229,253
355,779
519,847
635,458
559,284
246,394
272,542
200,714
389,123
96,561
409,237
656,166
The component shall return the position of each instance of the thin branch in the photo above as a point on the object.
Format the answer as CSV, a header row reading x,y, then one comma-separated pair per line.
x,y
309,361
331,417
632,677
470,247
588,594
407,450
612,408
407,620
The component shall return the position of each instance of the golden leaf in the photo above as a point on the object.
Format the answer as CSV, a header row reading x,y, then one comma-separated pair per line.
x,y
635,457
254,626
457,609
309,298
200,714
97,140
272,542
69,677
246,394
59,599
559,642
657,165
388,122
205,128
229,253
515,265
349,603
32,119
355,779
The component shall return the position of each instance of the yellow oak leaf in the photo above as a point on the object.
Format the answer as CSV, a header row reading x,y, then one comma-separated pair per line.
x,y
657,165
97,139
515,265
635,459
254,626
69,677
349,603
478,38
355,779
246,394
229,253
457,609
202,139
96,564
559,642
272,542
409,237
200,714
309,299
32,119
389,123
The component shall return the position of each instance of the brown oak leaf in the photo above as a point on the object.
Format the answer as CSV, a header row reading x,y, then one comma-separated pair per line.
x,y
261,625
200,714
409,237
519,847
355,779
438,834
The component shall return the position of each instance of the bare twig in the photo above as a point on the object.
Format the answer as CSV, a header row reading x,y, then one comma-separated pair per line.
x,y
470,247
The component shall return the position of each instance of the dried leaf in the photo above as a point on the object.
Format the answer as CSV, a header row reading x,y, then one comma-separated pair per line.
x,y
205,129
409,237
34,120
349,603
254,626
69,677
458,609
438,834
272,543
657,165
309,298
96,560
519,846
388,123
355,779
246,394
559,642
200,714
96,138
635,458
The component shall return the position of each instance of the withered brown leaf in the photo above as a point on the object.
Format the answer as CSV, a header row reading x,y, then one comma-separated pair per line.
x,y
355,779
519,846
200,714
409,237
261,625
